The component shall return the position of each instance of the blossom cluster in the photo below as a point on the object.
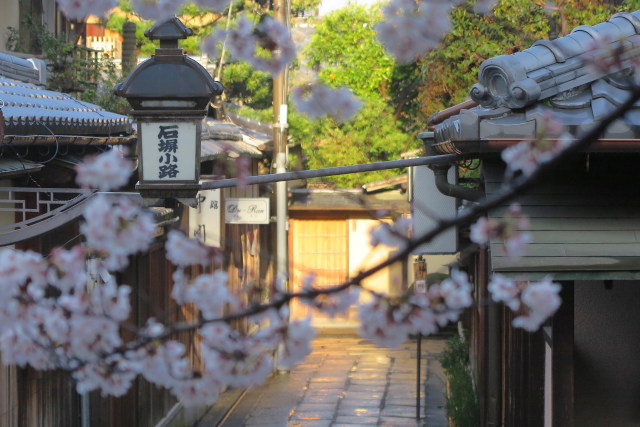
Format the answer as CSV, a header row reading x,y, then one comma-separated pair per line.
x,y
527,155
105,172
317,100
48,318
394,235
534,302
156,10
331,304
512,229
411,27
78,9
277,48
389,322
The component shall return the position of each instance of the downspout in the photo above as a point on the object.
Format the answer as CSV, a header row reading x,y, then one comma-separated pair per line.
x,y
453,190
441,171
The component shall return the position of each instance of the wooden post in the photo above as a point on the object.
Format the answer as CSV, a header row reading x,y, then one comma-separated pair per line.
x,y
129,56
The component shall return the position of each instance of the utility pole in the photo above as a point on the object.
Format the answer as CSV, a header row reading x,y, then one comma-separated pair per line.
x,y
281,9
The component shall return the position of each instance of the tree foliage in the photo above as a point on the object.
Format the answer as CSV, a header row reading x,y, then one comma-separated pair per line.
x,y
345,52
449,71
373,135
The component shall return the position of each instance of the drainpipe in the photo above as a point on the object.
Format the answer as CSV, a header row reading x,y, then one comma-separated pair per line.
x,y
453,190
85,409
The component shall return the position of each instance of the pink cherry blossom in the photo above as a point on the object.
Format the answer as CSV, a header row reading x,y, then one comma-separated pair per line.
x,y
317,100
156,10
506,290
210,294
108,377
541,300
512,229
210,44
184,252
244,41
78,9
526,156
197,391
456,290
392,235
67,269
105,172
296,343
16,268
383,323
331,304
481,231
116,228
411,28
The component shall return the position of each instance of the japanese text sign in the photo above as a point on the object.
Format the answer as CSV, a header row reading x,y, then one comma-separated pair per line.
x,y
168,151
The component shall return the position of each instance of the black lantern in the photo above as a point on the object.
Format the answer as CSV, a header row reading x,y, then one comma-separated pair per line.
x,y
169,94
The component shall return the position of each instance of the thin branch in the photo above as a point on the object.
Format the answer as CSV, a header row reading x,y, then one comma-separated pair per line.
x,y
506,194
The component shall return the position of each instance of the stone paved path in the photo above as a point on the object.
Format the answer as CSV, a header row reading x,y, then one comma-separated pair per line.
x,y
348,381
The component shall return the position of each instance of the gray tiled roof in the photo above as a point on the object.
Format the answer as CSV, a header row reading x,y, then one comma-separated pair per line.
x,y
516,91
32,110
220,138
26,70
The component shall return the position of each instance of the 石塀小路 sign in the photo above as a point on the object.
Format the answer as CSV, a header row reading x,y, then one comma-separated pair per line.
x,y
168,151
247,211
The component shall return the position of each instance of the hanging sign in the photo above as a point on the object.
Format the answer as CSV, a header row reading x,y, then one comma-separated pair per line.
x,y
204,219
168,151
247,211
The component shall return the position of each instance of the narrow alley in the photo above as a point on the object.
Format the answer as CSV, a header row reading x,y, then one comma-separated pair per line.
x,y
347,381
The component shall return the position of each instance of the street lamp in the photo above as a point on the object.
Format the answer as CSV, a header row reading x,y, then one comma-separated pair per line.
x,y
169,94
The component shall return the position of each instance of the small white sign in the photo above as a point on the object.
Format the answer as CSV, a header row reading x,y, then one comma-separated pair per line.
x,y
204,219
247,211
421,287
168,151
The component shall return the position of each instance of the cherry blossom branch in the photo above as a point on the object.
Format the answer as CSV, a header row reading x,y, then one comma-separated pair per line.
x,y
506,194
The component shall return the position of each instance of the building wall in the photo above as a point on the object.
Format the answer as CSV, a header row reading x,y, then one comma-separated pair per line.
x,y
363,256
335,246
10,17
607,345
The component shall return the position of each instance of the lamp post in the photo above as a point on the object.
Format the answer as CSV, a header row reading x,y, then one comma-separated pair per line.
x,y
169,94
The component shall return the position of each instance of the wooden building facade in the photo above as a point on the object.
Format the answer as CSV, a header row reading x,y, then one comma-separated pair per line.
x,y
580,368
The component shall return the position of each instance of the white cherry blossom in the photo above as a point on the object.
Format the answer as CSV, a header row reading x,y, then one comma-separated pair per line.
x,y
296,342
184,252
393,235
116,228
105,172
156,10
317,100
526,156
411,28
512,229
506,290
245,40
200,390
210,294
541,299
456,290
330,304
383,323
79,9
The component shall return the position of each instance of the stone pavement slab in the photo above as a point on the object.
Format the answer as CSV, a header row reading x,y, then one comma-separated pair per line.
x,y
348,381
